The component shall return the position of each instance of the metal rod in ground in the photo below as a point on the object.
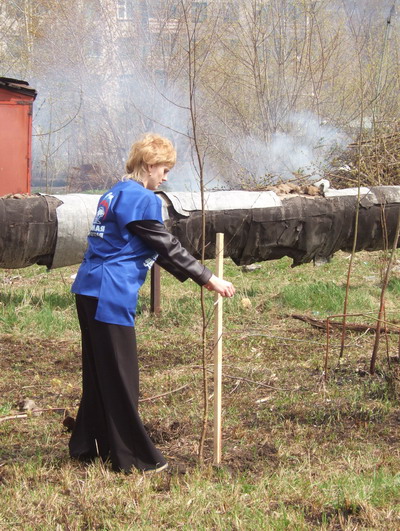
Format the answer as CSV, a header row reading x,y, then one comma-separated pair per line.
x,y
155,290
218,353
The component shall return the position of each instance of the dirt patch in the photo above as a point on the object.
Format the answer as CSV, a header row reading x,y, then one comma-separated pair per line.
x,y
256,458
41,352
161,434
43,369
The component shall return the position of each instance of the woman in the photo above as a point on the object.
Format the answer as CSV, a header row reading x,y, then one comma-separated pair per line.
x,y
127,236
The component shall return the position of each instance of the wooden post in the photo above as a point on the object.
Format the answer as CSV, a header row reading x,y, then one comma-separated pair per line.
x,y
218,353
155,290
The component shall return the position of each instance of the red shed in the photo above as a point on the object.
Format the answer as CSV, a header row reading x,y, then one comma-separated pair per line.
x,y
16,100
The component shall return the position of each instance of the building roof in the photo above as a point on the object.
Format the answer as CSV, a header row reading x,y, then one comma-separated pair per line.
x,y
18,86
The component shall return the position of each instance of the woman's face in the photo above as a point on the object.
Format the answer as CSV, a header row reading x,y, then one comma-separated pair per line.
x,y
158,173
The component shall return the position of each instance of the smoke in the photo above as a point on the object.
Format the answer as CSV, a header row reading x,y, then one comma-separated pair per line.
x,y
83,119
305,146
104,129
97,94
93,122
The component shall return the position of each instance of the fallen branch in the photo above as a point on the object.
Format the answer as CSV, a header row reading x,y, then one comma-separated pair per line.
x,y
60,409
356,327
372,141
10,417
31,413
261,384
163,394
242,379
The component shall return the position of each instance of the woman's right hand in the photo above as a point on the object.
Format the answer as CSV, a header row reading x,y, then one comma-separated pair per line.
x,y
221,286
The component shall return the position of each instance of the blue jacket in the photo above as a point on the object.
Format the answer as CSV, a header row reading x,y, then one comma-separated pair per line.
x,y
116,262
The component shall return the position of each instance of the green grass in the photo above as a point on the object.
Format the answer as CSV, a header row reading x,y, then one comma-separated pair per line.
x,y
39,304
325,298
299,453
394,286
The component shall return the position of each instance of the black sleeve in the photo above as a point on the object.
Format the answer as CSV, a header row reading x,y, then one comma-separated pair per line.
x,y
171,255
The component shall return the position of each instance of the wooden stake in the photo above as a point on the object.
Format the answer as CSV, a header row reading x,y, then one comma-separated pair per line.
x,y
218,353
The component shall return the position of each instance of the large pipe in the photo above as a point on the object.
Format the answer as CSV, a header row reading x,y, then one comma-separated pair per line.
x,y
302,227
28,230
258,226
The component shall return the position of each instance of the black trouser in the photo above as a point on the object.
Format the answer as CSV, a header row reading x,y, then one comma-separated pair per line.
x,y
108,424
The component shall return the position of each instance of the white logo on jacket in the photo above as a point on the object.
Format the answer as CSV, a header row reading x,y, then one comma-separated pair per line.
x,y
150,261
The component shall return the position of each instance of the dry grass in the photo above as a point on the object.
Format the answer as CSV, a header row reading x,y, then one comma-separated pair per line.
x,y
373,160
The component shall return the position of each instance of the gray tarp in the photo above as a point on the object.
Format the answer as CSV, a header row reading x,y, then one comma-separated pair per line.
x,y
28,230
303,228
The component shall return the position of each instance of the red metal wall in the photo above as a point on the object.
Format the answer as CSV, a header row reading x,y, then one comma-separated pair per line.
x,y
15,141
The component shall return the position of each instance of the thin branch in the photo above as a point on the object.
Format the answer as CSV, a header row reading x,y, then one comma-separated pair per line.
x,y
66,123
163,394
357,327
63,409
32,412
382,299
243,379
261,384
